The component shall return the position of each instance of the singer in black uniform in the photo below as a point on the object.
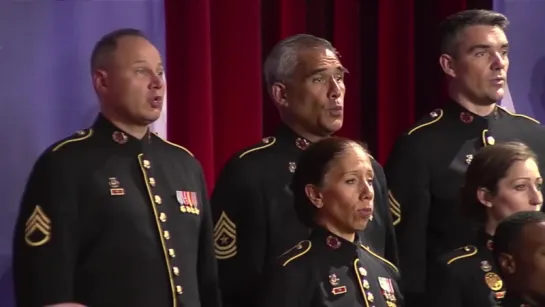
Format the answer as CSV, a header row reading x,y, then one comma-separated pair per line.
x,y
501,180
426,166
519,243
333,196
114,215
252,203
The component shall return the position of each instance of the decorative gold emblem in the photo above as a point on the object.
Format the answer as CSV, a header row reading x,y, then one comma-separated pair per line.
x,y
362,271
163,217
490,140
493,281
146,164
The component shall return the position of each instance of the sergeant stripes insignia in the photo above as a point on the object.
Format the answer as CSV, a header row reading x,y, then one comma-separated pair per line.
x,y
225,238
37,228
395,208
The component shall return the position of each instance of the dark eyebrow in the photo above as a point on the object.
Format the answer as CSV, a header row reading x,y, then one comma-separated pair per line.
x,y
527,178
368,173
483,46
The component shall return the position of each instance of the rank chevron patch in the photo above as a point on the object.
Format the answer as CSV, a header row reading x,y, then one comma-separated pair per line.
x,y
225,238
37,228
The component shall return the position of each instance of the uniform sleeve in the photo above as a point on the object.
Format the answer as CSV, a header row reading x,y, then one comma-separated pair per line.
x,y
443,289
286,286
408,178
209,291
240,233
45,243
390,246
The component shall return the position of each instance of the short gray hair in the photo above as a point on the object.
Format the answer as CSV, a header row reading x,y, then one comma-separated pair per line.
x,y
282,59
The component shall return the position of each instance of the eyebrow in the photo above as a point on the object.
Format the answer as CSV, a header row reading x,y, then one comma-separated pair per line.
x,y
369,172
484,46
146,62
527,178
319,70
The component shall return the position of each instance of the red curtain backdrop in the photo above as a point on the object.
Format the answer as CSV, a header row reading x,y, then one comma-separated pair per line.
x,y
215,51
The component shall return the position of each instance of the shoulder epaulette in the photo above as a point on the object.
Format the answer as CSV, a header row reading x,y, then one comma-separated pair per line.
x,y
176,145
379,257
461,253
519,115
295,252
76,137
434,117
266,142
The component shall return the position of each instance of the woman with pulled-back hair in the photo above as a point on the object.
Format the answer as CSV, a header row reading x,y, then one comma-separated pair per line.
x,y
501,180
333,196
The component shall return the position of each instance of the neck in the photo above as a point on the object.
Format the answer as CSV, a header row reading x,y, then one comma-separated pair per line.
x,y
302,132
481,109
338,231
137,131
490,226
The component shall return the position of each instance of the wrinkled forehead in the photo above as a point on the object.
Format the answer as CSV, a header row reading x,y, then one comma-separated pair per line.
x,y
316,58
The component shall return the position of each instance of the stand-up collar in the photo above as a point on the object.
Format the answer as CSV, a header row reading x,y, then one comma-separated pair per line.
x,y
456,110
284,134
332,242
105,129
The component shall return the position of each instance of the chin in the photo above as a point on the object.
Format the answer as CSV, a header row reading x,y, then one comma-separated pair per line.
x,y
499,94
360,226
150,119
334,126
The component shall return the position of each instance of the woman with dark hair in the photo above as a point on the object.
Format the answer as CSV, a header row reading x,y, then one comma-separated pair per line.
x,y
501,180
333,196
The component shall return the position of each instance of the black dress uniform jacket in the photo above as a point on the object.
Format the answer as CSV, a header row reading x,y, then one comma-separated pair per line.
x,y
108,220
425,172
254,217
326,270
467,277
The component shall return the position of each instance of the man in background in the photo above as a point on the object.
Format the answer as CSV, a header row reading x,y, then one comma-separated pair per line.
x,y
252,203
519,243
426,166
114,215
